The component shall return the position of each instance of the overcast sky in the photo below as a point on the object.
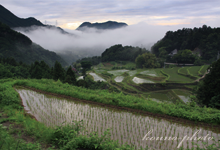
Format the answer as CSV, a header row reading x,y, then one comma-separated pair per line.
x,y
71,13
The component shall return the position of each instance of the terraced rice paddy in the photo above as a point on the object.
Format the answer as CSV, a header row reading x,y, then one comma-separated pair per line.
x,y
126,127
163,96
149,72
117,72
99,71
96,77
204,69
194,70
131,73
183,95
183,70
79,78
119,79
159,101
139,80
174,76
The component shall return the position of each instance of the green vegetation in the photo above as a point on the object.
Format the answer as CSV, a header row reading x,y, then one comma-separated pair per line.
x,y
20,47
208,91
95,60
184,56
62,137
203,70
175,77
120,53
147,60
179,109
11,20
205,39
185,72
194,70
183,111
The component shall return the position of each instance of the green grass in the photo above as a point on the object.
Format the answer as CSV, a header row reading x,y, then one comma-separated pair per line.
x,y
204,69
99,71
163,96
155,79
67,139
102,96
175,77
117,72
183,70
183,94
194,70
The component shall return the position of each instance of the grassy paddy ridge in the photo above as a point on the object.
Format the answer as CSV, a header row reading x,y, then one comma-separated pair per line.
x,y
10,103
208,115
130,81
126,127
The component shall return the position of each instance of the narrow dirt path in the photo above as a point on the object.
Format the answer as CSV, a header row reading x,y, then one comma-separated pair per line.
x,y
201,77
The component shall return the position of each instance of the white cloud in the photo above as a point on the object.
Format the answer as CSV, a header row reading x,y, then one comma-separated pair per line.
x,y
129,11
94,42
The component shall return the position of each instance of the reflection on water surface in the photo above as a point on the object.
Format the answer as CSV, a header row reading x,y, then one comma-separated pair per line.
x,y
126,127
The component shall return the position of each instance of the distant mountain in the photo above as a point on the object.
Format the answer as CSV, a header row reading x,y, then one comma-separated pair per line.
x,y
104,25
21,48
13,21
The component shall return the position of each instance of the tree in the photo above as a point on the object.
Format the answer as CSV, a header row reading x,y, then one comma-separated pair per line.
x,y
184,56
139,61
163,53
147,60
86,64
40,70
70,76
59,72
208,92
5,72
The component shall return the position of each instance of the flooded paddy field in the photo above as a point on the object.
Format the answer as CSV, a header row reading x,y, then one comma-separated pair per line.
x,y
96,77
149,72
80,78
117,72
184,95
119,79
132,73
126,127
162,96
139,80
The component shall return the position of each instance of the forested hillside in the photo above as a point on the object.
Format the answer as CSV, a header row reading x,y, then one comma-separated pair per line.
x,y
21,48
11,20
118,52
205,38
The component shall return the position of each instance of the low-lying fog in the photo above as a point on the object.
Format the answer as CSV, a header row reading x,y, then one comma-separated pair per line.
x,y
93,42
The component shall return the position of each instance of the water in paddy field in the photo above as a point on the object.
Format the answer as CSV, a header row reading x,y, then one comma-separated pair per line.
x,y
119,79
183,95
126,127
139,80
131,73
96,77
117,72
149,72
80,78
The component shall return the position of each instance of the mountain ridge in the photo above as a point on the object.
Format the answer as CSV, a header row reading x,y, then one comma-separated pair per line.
x,y
21,48
103,25
10,19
